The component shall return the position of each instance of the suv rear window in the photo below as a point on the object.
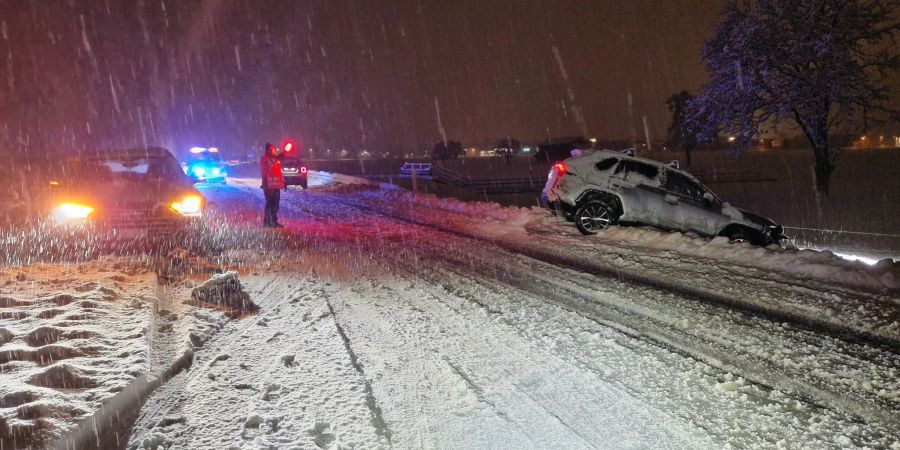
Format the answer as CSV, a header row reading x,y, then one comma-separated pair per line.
x,y
645,170
606,164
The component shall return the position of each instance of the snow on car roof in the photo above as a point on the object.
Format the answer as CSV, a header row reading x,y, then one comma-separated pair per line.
x,y
131,153
620,155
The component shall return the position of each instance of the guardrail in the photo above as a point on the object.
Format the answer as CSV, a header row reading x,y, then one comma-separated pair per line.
x,y
489,186
419,169
744,176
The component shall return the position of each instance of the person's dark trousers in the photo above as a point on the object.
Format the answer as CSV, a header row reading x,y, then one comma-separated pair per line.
x,y
273,198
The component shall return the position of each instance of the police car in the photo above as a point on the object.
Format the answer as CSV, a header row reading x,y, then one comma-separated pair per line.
x,y
205,165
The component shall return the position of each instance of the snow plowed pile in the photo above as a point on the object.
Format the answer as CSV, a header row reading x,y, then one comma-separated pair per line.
x,y
493,220
70,338
75,337
224,291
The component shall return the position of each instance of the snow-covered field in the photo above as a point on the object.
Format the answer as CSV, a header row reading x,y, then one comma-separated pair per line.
x,y
388,319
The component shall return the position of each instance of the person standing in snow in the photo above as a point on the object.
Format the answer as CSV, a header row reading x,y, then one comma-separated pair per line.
x,y
272,184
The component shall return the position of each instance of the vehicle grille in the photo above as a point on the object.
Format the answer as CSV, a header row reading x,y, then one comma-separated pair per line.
x,y
152,220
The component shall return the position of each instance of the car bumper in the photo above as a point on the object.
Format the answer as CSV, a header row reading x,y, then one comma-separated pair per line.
x,y
773,234
216,179
296,180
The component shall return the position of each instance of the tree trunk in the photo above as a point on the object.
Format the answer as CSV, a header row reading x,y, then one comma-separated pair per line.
x,y
824,169
816,131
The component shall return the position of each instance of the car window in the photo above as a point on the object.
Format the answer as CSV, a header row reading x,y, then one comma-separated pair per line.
x,y
174,171
125,169
628,168
606,164
206,157
682,185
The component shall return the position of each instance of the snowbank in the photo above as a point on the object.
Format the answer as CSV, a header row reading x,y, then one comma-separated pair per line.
x,y
282,378
491,219
72,337
820,265
75,337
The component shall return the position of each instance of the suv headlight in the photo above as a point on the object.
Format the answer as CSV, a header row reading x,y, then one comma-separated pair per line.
x,y
67,213
190,205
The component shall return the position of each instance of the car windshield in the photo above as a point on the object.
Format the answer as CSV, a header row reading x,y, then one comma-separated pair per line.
x,y
206,157
138,169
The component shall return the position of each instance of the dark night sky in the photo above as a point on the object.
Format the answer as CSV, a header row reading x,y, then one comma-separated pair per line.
x,y
377,74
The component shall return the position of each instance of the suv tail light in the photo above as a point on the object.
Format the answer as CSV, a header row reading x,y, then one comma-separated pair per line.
x,y
303,169
560,168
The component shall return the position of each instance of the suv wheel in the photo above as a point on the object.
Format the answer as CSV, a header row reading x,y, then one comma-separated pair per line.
x,y
594,216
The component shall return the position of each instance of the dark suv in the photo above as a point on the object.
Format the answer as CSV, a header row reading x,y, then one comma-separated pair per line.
x,y
139,193
295,172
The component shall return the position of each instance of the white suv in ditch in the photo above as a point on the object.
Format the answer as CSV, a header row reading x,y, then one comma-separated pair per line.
x,y
604,188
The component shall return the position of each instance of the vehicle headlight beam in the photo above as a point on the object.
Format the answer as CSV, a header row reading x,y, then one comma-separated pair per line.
x,y
66,213
191,205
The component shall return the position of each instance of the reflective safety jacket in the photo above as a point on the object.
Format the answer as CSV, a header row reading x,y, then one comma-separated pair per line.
x,y
270,167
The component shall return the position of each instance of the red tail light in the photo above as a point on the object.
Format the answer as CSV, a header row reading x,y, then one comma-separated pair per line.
x,y
303,169
560,168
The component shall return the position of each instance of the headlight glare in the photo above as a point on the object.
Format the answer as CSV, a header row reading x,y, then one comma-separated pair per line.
x,y
191,205
70,212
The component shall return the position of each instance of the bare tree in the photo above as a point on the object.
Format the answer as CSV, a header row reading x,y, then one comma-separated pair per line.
x,y
681,133
820,64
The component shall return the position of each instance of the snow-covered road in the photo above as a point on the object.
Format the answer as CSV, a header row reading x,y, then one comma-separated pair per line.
x,y
409,326
393,320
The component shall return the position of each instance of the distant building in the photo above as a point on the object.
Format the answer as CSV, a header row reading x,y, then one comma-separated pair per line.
x,y
877,139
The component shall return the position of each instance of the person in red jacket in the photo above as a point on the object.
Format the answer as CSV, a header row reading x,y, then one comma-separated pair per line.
x,y
272,184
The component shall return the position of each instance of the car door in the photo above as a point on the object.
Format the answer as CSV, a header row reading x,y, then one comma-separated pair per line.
x,y
693,210
603,172
643,198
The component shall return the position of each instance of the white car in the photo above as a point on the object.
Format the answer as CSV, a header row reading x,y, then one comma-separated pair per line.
x,y
604,188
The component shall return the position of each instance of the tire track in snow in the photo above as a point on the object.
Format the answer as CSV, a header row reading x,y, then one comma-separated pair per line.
x,y
646,328
636,324
523,395
378,422
315,399
841,331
